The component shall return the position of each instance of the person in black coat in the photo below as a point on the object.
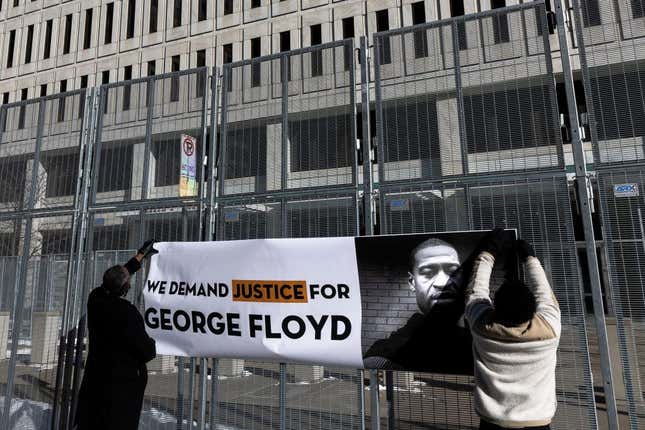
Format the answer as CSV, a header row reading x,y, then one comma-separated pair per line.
x,y
115,378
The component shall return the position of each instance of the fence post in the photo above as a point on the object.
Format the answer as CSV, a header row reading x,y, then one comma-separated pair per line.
x,y
375,406
583,185
210,227
204,235
380,134
366,145
282,397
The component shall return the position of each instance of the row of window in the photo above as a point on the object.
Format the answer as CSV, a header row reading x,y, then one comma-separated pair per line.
x,y
592,16
501,28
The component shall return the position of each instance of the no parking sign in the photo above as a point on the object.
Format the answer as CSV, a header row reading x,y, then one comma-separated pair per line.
x,y
187,178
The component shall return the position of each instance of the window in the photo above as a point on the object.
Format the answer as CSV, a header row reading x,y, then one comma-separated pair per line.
x,y
312,147
81,107
43,90
109,19
127,88
457,9
5,100
348,33
21,114
228,7
245,151
256,69
285,46
316,56
48,39
174,80
168,159
227,53
67,42
152,65
411,131
201,75
176,14
30,42
132,6
383,24
10,48
12,181
488,116
105,79
61,176
621,115
88,29
420,36
285,41
500,23
202,13
113,159
16,3
590,13
227,57
154,14
549,18
638,9
61,101
255,3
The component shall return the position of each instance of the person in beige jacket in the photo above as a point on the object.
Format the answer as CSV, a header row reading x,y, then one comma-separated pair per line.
x,y
515,342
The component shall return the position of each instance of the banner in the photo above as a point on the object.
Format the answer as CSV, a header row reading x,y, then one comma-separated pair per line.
x,y
188,171
382,302
295,300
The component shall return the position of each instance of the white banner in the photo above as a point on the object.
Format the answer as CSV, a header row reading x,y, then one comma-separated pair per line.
x,y
274,299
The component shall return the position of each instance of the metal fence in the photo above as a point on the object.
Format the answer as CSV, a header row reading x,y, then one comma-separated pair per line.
x,y
467,133
613,74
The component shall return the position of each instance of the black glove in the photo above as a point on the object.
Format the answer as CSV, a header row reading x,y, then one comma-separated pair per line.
x,y
494,242
147,249
524,249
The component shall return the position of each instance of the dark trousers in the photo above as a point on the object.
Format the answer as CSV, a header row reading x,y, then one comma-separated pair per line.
x,y
485,425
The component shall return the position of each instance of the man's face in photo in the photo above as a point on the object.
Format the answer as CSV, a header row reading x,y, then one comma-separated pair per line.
x,y
430,276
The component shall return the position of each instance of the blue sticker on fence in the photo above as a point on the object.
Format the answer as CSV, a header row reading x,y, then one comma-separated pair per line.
x,y
626,190
231,216
400,205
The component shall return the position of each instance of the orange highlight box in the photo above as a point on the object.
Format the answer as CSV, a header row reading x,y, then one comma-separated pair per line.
x,y
269,291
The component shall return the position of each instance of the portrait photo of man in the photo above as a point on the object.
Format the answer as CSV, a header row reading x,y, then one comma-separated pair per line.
x,y
419,320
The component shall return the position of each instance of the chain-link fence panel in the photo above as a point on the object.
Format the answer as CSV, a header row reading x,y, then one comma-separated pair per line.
x,y
610,38
467,96
288,122
288,169
624,228
36,320
539,208
146,127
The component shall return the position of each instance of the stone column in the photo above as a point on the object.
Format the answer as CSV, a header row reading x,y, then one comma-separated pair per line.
x,y
449,136
44,337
